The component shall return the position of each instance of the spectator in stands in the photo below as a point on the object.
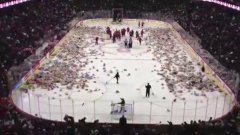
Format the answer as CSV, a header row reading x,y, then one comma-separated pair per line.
x,y
122,121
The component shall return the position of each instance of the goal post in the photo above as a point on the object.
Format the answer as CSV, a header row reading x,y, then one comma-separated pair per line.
x,y
117,14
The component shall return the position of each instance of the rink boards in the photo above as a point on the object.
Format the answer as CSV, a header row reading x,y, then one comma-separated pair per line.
x,y
129,107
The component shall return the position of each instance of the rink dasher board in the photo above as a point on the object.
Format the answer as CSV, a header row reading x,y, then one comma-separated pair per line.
x,y
129,113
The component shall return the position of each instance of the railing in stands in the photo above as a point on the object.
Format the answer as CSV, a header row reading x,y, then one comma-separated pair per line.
x,y
225,4
11,3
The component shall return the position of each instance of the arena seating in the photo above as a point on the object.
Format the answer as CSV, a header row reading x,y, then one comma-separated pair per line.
x,y
25,30
215,28
25,27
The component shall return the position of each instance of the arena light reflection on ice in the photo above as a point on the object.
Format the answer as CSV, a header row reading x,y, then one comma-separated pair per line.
x,y
224,4
11,3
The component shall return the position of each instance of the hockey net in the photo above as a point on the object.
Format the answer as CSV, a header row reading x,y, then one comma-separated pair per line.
x,y
117,111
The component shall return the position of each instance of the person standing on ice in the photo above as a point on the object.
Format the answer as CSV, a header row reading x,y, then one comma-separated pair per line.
x,y
137,34
131,33
148,87
126,43
128,29
114,38
123,31
142,24
96,40
109,32
142,33
140,40
130,43
119,34
122,103
117,76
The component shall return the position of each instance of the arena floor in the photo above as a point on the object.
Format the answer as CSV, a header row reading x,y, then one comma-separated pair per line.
x,y
78,78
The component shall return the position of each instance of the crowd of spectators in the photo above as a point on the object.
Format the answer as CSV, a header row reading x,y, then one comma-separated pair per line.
x,y
26,27
215,28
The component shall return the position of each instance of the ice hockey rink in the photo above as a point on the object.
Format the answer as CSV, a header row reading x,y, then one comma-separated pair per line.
x,y
77,78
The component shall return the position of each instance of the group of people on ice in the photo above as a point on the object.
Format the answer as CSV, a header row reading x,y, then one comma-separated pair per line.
x,y
118,34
